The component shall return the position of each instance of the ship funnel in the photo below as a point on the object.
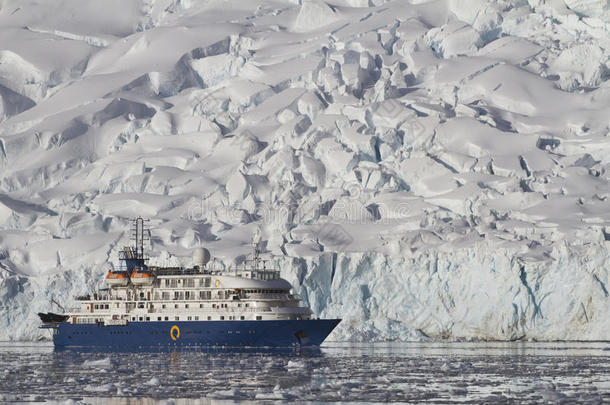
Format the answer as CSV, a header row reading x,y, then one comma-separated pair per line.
x,y
201,256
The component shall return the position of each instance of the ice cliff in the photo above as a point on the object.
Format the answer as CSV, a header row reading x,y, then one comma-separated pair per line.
x,y
422,169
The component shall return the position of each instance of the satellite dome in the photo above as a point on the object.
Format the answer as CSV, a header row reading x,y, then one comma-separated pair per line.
x,y
201,256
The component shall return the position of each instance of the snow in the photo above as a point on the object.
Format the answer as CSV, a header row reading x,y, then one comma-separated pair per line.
x,y
101,363
423,169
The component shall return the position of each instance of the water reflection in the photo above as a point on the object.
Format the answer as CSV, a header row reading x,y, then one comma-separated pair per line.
x,y
409,372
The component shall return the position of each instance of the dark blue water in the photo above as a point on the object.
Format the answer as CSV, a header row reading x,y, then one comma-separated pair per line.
x,y
405,372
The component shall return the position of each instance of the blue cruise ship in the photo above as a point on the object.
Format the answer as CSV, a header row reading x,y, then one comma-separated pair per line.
x,y
198,306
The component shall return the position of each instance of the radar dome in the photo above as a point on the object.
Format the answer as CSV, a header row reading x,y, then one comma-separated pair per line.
x,y
201,256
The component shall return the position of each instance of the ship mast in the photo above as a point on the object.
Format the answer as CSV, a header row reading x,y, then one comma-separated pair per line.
x,y
139,234
133,256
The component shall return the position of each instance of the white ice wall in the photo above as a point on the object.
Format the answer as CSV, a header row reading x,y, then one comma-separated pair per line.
x,y
429,168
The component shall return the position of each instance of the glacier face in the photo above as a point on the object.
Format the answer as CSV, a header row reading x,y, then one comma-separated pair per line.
x,y
422,169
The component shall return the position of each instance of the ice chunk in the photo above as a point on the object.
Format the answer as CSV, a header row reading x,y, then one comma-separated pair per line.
x,y
237,187
101,363
593,8
314,14
580,65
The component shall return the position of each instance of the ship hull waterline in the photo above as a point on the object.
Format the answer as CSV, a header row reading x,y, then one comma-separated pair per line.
x,y
259,333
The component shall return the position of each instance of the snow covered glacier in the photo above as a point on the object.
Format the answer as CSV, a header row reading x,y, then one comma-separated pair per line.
x,y
422,169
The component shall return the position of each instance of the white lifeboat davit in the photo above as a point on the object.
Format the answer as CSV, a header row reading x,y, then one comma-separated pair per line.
x,y
118,278
140,277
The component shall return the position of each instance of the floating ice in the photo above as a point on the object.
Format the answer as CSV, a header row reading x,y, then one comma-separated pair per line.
x,y
101,363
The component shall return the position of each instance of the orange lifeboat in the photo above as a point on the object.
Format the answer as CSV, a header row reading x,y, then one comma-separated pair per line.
x,y
140,277
117,278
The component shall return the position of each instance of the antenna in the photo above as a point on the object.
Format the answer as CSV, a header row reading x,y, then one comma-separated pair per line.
x,y
256,254
140,234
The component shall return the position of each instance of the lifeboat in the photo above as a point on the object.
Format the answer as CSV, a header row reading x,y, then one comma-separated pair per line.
x,y
140,277
117,278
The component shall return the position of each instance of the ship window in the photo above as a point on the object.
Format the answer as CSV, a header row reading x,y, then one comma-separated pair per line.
x,y
107,306
158,318
148,318
175,305
242,317
222,318
163,306
186,305
167,282
189,318
167,318
213,305
209,318
165,295
140,319
196,318
96,306
247,305
176,295
177,318
200,305
187,295
258,317
207,281
133,318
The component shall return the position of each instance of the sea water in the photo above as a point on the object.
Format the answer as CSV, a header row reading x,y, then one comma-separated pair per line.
x,y
438,372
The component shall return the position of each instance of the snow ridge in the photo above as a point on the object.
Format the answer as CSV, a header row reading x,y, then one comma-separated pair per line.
x,y
423,169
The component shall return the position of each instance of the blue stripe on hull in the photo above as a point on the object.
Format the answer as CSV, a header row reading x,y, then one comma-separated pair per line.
x,y
198,333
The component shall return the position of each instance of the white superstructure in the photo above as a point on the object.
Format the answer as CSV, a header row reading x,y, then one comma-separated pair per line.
x,y
149,294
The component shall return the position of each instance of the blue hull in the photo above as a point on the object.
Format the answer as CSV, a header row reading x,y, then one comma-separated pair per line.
x,y
198,333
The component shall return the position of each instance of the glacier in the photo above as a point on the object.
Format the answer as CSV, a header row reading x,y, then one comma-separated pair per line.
x,y
423,169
